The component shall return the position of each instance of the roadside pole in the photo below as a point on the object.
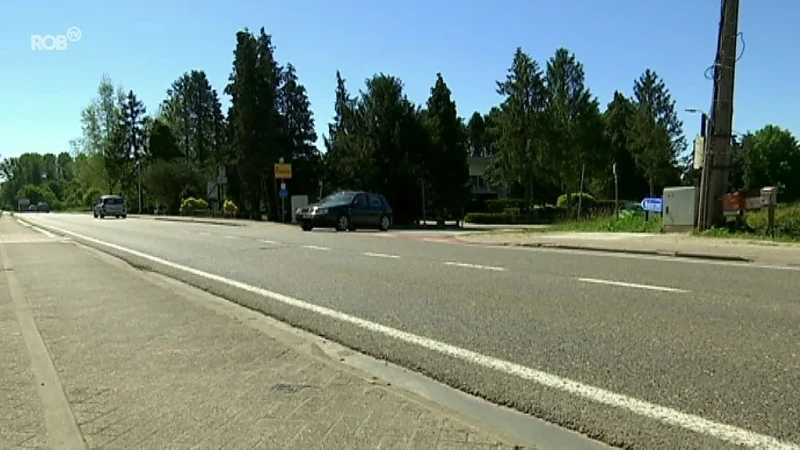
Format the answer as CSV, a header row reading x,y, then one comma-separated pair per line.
x,y
282,172
580,198
139,176
616,191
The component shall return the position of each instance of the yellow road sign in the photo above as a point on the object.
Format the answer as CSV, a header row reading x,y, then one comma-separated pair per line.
x,y
283,171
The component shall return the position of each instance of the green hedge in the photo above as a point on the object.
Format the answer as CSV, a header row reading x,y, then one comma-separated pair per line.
x,y
500,205
587,201
516,211
516,216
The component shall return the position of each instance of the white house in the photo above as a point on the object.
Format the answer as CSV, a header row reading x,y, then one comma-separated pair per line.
x,y
478,185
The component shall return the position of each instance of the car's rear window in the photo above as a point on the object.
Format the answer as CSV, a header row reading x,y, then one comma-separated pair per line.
x,y
112,201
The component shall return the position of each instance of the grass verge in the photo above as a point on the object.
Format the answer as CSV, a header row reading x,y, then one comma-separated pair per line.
x,y
631,224
787,226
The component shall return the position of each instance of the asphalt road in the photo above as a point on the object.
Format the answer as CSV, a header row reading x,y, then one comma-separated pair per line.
x,y
669,353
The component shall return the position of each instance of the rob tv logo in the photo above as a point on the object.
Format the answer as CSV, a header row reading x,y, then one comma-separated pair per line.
x,y
48,42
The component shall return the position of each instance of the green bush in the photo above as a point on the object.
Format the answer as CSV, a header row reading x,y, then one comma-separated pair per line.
x,y
587,201
193,205
229,206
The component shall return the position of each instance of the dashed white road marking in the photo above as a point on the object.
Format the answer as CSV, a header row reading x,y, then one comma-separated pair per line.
x,y
663,414
633,285
380,255
316,247
475,266
228,236
204,233
267,241
24,224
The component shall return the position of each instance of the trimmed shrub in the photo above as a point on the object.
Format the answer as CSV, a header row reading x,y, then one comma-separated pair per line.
x,y
193,205
587,201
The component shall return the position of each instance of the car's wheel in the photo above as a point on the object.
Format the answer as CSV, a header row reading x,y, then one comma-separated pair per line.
x,y
116,217
124,216
306,227
95,215
102,216
385,223
343,224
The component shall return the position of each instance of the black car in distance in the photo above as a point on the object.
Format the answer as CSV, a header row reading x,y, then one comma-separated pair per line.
x,y
347,211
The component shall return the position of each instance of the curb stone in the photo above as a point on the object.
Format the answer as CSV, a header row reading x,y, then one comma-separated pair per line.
x,y
173,219
211,222
673,254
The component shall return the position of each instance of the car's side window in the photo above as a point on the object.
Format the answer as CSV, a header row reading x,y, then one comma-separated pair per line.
x,y
375,202
361,201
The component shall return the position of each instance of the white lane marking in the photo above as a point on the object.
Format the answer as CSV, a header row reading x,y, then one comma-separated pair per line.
x,y
642,408
44,232
380,255
475,266
315,247
204,233
24,224
231,237
633,285
267,241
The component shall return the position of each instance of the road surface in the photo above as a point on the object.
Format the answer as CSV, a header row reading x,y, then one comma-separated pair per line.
x,y
634,351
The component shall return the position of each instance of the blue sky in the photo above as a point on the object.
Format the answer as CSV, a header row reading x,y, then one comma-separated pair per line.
x,y
145,45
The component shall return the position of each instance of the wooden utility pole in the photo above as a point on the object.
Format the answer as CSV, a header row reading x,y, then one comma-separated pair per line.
x,y
717,161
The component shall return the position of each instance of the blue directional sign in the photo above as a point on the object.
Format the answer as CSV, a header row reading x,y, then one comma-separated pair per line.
x,y
653,204
283,193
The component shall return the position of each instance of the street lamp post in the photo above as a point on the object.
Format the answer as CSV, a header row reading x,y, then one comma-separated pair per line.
x,y
139,176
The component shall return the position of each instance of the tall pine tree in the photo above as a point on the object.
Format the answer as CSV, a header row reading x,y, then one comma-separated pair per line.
x,y
655,133
446,162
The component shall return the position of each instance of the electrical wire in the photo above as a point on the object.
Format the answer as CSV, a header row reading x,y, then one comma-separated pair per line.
x,y
709,72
